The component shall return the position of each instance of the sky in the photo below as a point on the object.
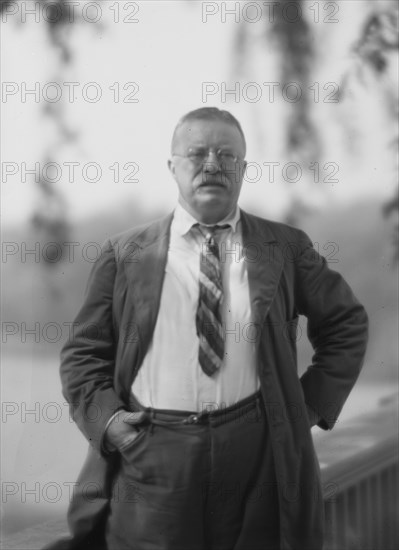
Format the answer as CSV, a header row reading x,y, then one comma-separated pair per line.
x,y
141,66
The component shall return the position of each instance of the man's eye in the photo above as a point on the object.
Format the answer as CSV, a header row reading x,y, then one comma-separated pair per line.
x,y
196,154
226,156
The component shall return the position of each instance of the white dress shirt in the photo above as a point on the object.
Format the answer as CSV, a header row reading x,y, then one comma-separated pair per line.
x,y
171,376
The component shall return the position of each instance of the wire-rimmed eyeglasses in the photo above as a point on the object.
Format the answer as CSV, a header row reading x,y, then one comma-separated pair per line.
x,y
200,155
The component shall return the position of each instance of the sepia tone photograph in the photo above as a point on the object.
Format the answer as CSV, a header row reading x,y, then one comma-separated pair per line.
x,y
199,228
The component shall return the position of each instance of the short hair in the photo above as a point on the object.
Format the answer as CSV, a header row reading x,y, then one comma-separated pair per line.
x,y
211,114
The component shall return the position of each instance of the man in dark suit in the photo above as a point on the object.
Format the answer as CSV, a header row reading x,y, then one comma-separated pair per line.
x,y
188,391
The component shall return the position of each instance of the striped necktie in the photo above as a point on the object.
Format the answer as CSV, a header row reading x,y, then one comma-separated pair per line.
x,y
209,313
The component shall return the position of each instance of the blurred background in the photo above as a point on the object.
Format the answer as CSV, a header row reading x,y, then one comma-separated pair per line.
x,y
91,92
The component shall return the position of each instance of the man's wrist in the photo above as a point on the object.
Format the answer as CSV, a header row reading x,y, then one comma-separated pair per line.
x,y
106,445
314,417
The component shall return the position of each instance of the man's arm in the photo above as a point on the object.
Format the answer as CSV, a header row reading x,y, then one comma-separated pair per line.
x,y
88,357
337,330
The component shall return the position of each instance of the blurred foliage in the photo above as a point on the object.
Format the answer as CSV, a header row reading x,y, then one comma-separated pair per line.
x,y
297,48
380,37
49,219
392,207
295,43
294,38
4,4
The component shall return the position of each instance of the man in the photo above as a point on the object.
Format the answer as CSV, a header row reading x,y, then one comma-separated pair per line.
x,y
188,393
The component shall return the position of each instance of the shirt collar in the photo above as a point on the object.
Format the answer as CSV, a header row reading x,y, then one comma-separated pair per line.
x,y
183,220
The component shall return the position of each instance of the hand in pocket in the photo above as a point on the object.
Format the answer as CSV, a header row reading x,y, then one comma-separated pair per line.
x,y
122,430
128,440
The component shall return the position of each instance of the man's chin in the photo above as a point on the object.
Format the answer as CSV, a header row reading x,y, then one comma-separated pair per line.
x,y
212,198
211,209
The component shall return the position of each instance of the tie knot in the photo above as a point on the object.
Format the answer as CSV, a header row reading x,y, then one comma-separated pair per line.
x,y
209,231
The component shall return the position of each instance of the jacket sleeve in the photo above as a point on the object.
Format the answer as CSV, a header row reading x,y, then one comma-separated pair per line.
x,y
337,330
88,357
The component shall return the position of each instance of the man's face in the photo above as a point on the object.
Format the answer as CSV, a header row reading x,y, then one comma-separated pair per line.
x,y
208,166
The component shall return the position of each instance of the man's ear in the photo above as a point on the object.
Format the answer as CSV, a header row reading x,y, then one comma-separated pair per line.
x,y
244,167
171,166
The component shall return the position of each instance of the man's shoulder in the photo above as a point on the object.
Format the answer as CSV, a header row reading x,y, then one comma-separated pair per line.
x,y
142,233
282,232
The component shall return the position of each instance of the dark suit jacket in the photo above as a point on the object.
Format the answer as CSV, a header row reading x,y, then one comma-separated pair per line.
x,y
115,326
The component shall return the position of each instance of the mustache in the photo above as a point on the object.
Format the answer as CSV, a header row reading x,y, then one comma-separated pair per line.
x,y
212,179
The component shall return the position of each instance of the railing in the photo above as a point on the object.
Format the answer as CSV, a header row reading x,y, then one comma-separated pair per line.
x,y
359,463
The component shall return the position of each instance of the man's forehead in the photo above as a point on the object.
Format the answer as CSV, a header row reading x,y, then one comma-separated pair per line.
x,y
192,131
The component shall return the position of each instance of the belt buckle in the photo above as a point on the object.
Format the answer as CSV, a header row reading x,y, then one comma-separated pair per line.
x,y
192,419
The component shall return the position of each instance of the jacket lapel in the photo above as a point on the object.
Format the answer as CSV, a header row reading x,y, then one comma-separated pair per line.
x,y
264,264
145,278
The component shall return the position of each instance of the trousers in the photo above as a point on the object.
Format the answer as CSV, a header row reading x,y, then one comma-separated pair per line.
x,y
197,481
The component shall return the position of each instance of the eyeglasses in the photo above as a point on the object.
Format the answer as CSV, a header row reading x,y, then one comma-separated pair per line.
x,y
200,155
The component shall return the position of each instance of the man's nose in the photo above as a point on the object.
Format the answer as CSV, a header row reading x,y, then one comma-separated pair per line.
x,y
211,163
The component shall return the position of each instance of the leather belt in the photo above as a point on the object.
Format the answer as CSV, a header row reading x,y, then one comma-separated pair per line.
x,y
168,417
